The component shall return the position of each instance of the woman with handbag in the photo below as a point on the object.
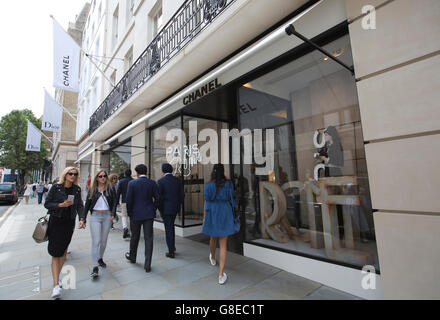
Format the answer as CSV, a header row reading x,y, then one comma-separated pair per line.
x,y
28,191
218,221
101,202
113,179
64,204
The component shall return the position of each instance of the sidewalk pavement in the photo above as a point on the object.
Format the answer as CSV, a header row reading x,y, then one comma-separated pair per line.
x,y
25,271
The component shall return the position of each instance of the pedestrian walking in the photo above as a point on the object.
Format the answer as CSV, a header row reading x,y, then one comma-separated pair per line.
x,y
172,196
46,191
64,204
40,192
113,179
122,191
142,203
101,202
34,190
28,191
49,186
218,220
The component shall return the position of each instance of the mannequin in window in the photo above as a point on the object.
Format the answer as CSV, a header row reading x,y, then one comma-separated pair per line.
x,y
332,154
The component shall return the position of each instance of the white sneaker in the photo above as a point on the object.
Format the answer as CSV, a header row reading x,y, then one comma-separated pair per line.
x,y
56,293
213,262
222,279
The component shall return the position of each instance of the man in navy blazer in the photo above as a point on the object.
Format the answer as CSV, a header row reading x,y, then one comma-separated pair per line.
x,y
142,202
171,199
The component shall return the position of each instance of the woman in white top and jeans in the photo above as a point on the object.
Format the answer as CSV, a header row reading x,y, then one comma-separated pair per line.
x,y
101,202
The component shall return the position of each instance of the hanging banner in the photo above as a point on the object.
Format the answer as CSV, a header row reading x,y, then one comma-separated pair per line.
x,y
33,140
66,60
53,114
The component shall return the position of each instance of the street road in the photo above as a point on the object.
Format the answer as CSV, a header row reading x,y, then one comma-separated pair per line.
x,y
3,208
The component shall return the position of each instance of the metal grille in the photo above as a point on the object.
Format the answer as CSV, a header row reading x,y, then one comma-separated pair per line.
x,y
192,17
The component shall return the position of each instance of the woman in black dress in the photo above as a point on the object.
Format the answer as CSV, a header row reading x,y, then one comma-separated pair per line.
x,y
64,204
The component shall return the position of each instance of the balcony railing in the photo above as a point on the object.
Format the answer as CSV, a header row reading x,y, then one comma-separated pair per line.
x,y
192,18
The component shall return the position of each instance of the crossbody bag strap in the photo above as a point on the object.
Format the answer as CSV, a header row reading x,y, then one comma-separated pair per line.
x,y
105,200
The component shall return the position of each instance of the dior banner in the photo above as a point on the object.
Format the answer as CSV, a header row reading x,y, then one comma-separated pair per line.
x,y
33,140
66,60
53,114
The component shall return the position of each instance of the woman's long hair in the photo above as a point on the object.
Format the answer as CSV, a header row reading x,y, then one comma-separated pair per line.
x,y
111,177
94,187
218,176
63,176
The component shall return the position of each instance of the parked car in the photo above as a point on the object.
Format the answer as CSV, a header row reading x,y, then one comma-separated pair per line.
x,y
8,192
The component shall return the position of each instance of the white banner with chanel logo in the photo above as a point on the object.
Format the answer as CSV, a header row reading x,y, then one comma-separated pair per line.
x,y
53,114
66,55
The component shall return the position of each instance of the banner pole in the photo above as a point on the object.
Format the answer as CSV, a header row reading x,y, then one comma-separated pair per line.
x,y
96,66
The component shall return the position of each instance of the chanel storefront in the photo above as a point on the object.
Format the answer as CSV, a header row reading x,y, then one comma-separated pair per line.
x,y
299,170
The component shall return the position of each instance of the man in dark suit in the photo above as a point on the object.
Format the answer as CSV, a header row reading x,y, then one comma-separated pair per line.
x,y
122,191
142,203
171,199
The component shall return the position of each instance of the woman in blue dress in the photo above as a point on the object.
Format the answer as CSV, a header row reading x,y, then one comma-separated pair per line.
x,y
218,220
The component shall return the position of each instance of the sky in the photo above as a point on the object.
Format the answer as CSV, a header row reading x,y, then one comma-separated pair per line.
x,y
26,51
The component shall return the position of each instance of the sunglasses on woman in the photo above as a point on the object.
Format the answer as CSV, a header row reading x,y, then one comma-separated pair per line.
x,y
104,176
72,174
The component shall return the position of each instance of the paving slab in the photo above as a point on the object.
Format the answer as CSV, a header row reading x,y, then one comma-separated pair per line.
x,y
25,270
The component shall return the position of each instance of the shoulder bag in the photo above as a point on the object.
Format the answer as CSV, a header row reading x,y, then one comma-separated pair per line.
x,y
40,232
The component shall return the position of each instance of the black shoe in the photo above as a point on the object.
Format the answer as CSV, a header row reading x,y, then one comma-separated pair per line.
x,y
170,255
127,256
102,263
126,234
147,269
95,273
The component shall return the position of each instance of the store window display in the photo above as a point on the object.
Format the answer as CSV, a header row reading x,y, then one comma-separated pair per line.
x,y
316,201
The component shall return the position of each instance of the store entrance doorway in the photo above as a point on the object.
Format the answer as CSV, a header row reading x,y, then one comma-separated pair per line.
x,y
215,112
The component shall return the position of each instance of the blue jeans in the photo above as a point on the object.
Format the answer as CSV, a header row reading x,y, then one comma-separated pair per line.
x,y
40,198
100,225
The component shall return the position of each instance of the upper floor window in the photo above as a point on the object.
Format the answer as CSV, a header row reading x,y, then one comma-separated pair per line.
x,y
99,11
157,20
129,59
130,10
115,33
113,78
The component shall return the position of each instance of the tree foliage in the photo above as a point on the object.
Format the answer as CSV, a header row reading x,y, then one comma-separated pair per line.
x,y
13,133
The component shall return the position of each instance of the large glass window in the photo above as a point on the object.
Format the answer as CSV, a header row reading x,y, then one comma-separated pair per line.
x,y
315,201
159,147
193,173
120,160
197,175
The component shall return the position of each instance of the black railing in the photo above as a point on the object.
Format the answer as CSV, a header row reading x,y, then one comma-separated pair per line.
x,y
192,17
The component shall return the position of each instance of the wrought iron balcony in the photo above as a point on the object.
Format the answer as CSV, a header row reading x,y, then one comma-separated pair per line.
x,y
191,18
